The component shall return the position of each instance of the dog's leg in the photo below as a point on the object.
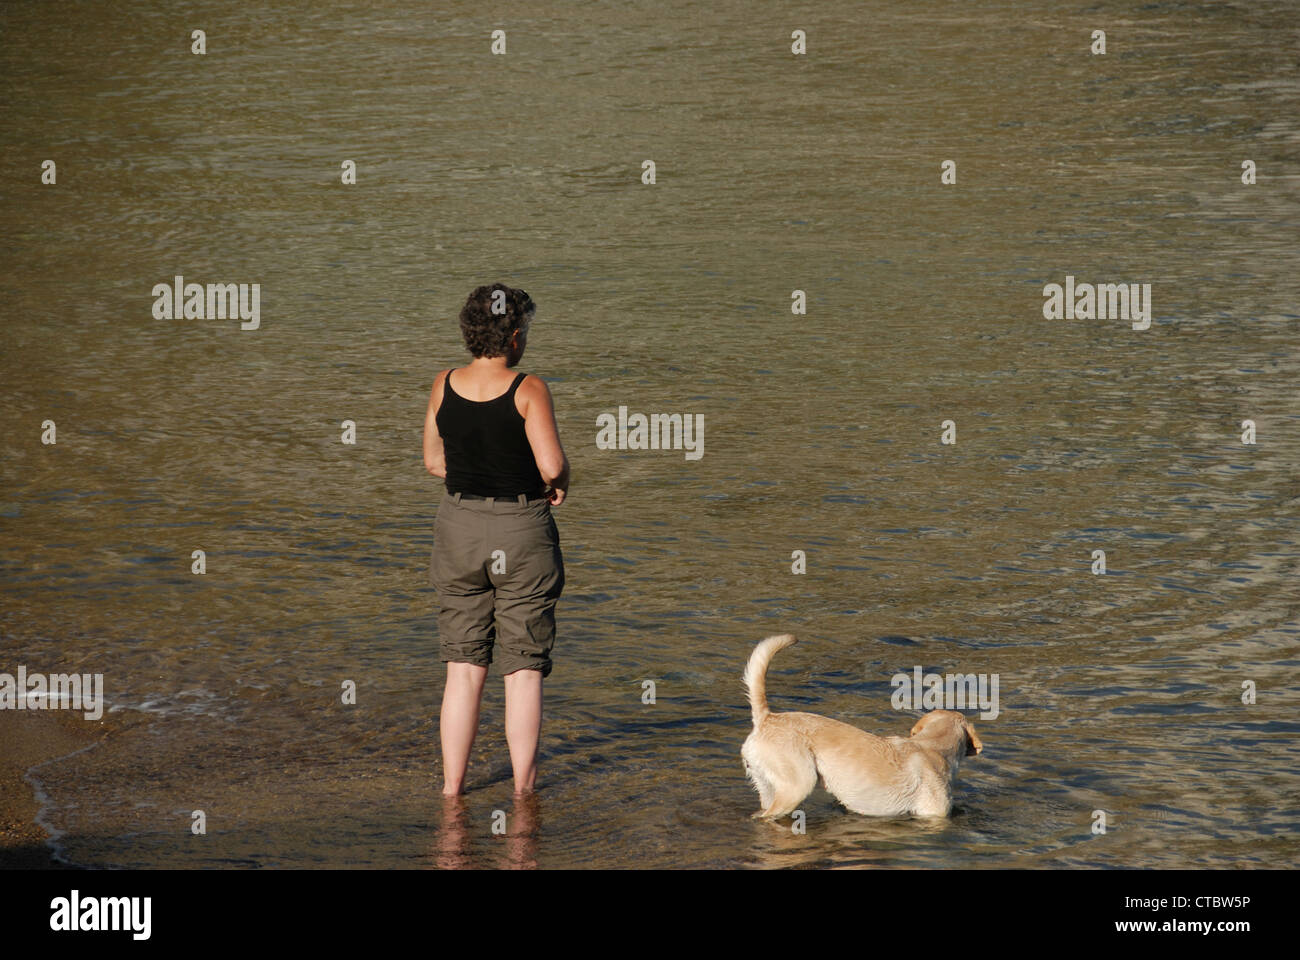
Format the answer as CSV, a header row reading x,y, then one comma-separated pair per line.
x,y
762,785
795,778
765,795
933,800
754,770
784,803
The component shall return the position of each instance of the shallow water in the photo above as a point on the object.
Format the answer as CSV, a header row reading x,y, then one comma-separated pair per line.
x,y
775,173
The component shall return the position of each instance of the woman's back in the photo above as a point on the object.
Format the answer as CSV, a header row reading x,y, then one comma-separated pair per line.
x,y
484,435
482,385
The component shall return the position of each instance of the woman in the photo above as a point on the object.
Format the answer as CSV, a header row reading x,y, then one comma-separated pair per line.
x,y
496,560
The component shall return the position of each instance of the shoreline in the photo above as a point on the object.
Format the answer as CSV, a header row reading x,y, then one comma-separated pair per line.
x,y
29,738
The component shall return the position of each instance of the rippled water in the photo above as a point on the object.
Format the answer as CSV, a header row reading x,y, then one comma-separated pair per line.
x,y
775,173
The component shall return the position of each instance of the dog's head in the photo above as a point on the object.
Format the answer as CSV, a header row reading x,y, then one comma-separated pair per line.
x,y
945,722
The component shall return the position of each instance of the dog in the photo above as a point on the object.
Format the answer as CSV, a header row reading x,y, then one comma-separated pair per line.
x,y
876,776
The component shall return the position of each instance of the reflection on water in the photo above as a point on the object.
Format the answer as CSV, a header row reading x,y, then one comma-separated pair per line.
x,y
1120,693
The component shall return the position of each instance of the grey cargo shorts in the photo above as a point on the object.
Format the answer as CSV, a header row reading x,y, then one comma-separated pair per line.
x,y
498,570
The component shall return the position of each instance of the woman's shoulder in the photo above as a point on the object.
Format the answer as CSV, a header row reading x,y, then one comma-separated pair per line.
x,y
532,383
439,382
532,389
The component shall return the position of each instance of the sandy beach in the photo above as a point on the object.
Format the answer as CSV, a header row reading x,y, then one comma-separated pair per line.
x,y
27,738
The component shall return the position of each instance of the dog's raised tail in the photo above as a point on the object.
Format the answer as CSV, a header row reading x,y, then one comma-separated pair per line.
x,y
756,672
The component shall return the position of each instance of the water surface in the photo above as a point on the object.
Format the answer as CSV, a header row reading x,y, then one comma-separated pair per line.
x,y
775,173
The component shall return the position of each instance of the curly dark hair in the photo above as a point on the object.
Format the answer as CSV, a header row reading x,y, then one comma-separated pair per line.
x,y
487,334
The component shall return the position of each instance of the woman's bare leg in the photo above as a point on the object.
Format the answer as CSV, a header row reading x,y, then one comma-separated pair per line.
x,y
524,725
461,699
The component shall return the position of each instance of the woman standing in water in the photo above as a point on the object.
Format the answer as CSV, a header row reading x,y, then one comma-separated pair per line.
x,y
496,560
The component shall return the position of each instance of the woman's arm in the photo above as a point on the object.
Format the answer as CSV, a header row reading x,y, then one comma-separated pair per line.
x,y
434,459
544,436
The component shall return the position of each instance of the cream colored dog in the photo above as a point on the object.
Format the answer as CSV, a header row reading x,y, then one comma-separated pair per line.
x,y
878,776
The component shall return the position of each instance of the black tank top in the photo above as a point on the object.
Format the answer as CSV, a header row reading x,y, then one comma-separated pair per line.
x,y
485,445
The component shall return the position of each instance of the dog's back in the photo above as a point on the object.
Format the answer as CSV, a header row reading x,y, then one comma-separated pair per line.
x,y
868,774
877,776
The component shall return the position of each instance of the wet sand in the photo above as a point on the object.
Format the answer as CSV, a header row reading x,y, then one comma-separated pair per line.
x,y
28,738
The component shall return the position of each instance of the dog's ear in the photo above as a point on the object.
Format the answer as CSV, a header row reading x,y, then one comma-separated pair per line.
x,y
933,717
973,743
